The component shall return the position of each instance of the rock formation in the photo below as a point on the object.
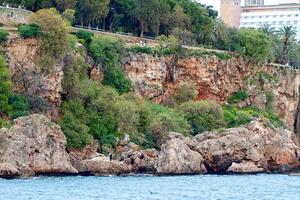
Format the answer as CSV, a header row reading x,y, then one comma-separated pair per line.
x,y
257,147
217,80
176,157
33,145
28,78
141,161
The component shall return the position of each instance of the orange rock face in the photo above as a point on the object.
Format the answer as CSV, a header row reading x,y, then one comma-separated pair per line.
x,y
217,79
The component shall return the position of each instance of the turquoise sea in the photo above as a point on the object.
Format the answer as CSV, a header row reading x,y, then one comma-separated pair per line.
x,y
206,187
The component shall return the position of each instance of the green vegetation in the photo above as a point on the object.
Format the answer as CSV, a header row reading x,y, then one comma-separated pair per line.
x,y
3,36
85,36
20,106
107,52
186,92
54,37
5,87
29,30
254,44
238,96
203,115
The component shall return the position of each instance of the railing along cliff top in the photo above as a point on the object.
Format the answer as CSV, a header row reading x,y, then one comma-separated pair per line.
x,y
15,9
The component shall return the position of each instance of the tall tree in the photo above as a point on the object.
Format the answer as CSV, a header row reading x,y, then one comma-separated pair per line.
x,y
150,14
90,12
287,35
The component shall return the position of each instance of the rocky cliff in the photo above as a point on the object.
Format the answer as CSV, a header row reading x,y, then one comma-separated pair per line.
x,y
217,79
28,78
248,149
35,145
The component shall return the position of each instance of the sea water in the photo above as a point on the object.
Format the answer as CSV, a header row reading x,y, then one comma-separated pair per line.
x,y
223,187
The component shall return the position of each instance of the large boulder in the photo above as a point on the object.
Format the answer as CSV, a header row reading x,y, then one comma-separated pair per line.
x,y
259,143
34,145
101,166
141,161
176,157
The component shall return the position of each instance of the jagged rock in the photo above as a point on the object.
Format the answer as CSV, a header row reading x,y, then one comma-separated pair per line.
x,y
269,148
35,145
102,166
8,170
27,76
141,161
177,158
216,79
244,167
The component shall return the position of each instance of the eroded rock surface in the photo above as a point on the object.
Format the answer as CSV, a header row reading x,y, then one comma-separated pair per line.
x,y
217,79
34,145
176,157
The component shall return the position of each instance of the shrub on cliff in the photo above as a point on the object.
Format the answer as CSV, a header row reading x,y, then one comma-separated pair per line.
x,y
254,43
238,96
5,87
107,52
3,36
203,115
235,117
115,78
54,32
20,106
186,92
85,36
141,49
29,30
74,124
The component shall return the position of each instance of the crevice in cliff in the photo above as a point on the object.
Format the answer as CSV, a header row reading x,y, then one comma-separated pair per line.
x,y
297,120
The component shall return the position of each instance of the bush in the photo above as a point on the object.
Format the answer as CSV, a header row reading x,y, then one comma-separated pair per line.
x,y
54,42
3,36
235,117
168,121
106,50
29,30
74,125
5,87
4,123
203,115
254,43
38,104
116,78
238,96
186,92
20,106
141,49
85,35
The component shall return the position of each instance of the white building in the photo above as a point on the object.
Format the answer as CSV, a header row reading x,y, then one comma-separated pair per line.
x,y
275,15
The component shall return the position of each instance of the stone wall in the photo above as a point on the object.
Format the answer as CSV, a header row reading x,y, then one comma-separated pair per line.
x,y
13,16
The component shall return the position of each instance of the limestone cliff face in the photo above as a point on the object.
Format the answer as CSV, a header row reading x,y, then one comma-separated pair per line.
x,y
28,78
217,80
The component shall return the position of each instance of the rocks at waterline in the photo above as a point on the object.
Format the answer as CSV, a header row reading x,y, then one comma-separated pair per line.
x,y
256,147
34,145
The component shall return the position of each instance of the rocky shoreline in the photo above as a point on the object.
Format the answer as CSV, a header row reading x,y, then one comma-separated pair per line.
x,y
36,146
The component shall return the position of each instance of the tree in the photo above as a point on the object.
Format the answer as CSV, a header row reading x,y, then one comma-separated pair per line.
x,y
150,14
267,29
287,35
69,15
90,12
54,36
254,43
179,19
